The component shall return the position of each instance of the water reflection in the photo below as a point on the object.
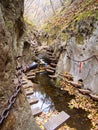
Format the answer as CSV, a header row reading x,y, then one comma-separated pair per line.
x,y
45,102
51,98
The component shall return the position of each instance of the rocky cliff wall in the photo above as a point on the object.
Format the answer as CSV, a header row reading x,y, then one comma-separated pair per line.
x,y
11,31
84,51
11,45
74,32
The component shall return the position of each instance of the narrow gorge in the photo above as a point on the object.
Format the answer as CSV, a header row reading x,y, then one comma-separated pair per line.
x,y
48,56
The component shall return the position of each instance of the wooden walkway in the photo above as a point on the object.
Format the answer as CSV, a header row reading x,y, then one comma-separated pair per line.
x,y
28,91
54,122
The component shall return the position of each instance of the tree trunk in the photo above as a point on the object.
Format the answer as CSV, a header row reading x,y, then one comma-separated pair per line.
x,y
61,2
52,7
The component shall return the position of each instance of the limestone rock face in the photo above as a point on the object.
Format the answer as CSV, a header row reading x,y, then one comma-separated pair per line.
x,y
80,50
11,31
11,45
74,36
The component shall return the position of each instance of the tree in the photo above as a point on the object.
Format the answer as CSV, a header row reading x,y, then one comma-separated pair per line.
x,y
52,7
61,2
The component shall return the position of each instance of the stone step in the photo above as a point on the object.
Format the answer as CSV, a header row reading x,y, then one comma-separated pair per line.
x,y
56,121
33,100
36,111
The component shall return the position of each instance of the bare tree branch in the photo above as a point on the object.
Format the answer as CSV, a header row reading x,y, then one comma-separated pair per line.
x,y
52,7
61,2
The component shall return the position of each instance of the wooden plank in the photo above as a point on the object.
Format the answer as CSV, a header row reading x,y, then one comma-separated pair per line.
x,y
36,111
50,71
84,91
31,71
48,50
56,121
53,76
93,96
30,83
31,77
24,82
26,86
53,59
28,89
51,68
49,53
30,74
75,84
29,92
33,100
67,76
40,71
53,64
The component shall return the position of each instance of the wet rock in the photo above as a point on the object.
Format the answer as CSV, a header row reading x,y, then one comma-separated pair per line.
x,y
11,45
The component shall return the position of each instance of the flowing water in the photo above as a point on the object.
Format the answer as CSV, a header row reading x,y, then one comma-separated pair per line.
x,y
52,98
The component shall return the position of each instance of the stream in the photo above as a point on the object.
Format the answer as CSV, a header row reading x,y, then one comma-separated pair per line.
x,y
52,98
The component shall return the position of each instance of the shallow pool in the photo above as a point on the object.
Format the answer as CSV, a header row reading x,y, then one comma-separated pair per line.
x,y
52,98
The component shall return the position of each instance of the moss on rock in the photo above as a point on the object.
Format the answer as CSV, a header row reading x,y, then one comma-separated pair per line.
x,y
68,19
